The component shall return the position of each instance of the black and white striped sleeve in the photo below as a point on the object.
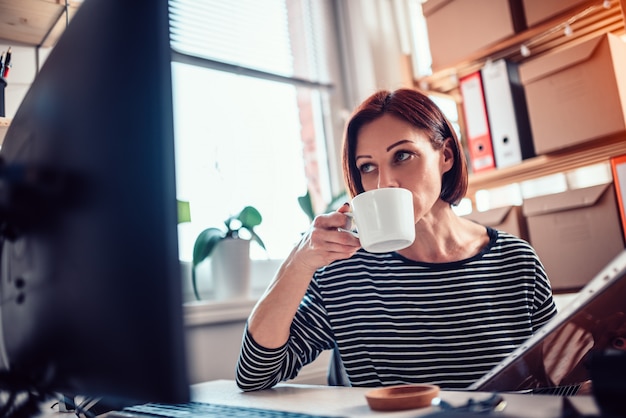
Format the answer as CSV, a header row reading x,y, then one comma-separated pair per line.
x,y
261,368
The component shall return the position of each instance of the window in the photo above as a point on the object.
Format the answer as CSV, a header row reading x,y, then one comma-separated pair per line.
x,y
251,89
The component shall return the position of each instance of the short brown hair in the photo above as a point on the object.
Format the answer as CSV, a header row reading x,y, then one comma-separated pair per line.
x,y
421,112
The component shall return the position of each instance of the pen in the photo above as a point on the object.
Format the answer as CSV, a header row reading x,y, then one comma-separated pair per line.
x,y
7,63
1,64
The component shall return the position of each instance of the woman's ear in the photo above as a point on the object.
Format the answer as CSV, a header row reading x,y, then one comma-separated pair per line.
x,y
447,155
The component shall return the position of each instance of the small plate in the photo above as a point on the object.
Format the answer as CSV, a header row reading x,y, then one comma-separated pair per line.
x,y
396,398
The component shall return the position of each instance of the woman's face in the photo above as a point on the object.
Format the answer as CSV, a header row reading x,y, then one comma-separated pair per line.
x,y
392,153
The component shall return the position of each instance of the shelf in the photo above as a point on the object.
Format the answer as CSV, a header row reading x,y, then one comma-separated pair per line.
x,y
587,20
37,23
34,22
4,127
593,20
584,155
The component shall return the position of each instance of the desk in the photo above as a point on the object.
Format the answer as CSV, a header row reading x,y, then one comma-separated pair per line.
x,y
351,402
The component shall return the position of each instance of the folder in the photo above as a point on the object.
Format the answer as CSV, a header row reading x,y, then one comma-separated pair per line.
x,y
618,167
507,113
476,123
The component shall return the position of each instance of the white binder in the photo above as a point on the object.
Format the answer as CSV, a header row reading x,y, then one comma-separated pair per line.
x,y
508,116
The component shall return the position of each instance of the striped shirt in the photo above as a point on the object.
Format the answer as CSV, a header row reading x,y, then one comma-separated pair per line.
x,y
398,321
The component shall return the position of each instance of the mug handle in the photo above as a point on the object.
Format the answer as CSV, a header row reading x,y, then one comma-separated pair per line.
x,y
349,231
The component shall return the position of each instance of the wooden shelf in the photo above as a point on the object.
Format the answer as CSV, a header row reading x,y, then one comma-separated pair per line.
x,y
593,20
4,127
588,20
37,23
558,162
34,22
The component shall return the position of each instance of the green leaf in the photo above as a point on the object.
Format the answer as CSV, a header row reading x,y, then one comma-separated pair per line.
x,y
306,205
257,239
202,249
184,211
249,218
194,283
205,244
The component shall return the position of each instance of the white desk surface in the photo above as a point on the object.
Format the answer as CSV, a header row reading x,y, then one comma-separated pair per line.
x,y
351,402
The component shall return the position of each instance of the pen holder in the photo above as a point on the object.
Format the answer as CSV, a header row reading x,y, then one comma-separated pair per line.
x,y
3,84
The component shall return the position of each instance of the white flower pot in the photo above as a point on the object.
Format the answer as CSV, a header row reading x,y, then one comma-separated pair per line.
x,y
230,269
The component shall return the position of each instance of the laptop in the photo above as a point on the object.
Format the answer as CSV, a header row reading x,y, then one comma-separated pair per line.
x,y
556,360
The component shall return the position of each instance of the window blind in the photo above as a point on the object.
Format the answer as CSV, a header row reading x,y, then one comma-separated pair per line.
x,y
270,37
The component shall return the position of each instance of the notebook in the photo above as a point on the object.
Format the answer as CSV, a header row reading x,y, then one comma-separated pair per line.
x,y
556,359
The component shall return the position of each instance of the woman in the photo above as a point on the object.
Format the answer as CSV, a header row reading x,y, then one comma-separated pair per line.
x,y
443,311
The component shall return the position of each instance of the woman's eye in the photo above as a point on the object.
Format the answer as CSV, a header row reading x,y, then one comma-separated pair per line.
x,y
402,156
366,168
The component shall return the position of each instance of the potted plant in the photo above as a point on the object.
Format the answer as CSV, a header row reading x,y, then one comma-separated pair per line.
x,y
233,262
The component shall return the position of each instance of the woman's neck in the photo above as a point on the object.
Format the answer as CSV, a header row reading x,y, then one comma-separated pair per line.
x,y
442,236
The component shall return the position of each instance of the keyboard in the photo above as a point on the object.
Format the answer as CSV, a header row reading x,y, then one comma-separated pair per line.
x,y
206,410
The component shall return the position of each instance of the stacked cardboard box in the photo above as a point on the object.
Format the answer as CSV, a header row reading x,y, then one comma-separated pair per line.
x,y
508,219
538,11
575,233
577,94
458,28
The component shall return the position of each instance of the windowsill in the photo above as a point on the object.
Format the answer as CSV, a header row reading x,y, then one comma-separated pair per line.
x,y
211,311
217,312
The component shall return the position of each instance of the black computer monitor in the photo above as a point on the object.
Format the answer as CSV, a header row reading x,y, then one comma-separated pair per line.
x,y
90,285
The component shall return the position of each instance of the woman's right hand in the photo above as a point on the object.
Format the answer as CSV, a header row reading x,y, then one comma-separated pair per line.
x,y
325,242
270,320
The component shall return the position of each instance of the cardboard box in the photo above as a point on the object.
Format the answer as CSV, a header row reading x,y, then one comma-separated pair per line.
x,y
537,11
574,95
508,219
575,233
458,28
618,169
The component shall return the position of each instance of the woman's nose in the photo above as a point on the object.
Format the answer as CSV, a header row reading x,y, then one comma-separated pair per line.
x,y
386,178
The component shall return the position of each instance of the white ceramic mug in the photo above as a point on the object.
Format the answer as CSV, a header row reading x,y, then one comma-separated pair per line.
x,y
384,219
